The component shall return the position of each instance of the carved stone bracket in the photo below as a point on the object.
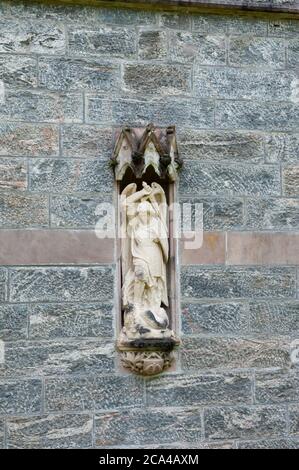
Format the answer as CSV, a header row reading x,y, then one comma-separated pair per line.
x,y
140,148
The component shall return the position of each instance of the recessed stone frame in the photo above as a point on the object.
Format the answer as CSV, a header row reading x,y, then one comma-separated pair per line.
x,y
148,155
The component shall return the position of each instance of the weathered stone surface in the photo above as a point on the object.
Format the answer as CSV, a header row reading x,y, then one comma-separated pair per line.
x,y
184,390
233,24
18,70
233,83
240,180
86,141
203,49
93,393
280,318
270,444
199,282
23,210
198,114
20,396
36,106
147,427
216,318
59,357
70,211
3,284
272,213
28,140
13,322
175,21
206,23
126,17
218,213
276,387
42,37
2,435
50,432
13,173
61,283
78,74
71,175
162,79
231,352
283,28
104,41
152,45
221,146
256,248
291,181
282,148
211,251
293,53
256,115
249,51
245,422
294,420
48,321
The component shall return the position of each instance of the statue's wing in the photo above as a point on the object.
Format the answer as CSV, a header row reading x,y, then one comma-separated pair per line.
x,y
126,254
159,200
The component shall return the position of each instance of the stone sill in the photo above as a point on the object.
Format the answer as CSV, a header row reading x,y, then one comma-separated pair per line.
x,y
283,8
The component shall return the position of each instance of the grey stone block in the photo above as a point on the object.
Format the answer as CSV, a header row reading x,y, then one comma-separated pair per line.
x,y
272,213
86,141
221,146
58,358
93,393
249,51
283,28
124,17
18,70
234,180
35,37
2,434
233,24
282,148
13,322
175,21
218,213
291,181
104,41
216,318
244,84
269,444
208,352
294,420
13,174
276,387
62,283
245,422
49,321
3,284
20,396
256,115
198,114
161,79
147,427
71,175
153,45
293,53
203,49
257,282
208,23
36,106
83,212
279,318
28,140
193,390
78,74
50,432
23,210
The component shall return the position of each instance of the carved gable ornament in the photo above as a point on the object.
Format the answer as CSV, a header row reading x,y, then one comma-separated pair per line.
x,y
139,149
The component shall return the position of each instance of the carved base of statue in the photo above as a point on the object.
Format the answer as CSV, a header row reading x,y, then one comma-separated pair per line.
x,y
147,362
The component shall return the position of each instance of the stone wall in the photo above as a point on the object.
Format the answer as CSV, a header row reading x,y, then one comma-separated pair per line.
x,y
68,77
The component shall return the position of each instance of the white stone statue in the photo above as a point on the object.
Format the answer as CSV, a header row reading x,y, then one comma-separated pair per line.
x,y
145,252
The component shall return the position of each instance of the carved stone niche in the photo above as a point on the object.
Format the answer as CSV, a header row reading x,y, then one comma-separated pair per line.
x,y
146,165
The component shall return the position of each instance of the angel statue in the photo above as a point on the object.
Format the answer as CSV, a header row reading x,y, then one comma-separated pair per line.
x,y
145,252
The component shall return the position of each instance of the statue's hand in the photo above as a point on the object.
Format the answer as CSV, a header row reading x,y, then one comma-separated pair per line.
x,y
146,188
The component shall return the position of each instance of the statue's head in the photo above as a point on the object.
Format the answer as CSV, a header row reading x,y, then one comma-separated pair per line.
x,y
145,211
